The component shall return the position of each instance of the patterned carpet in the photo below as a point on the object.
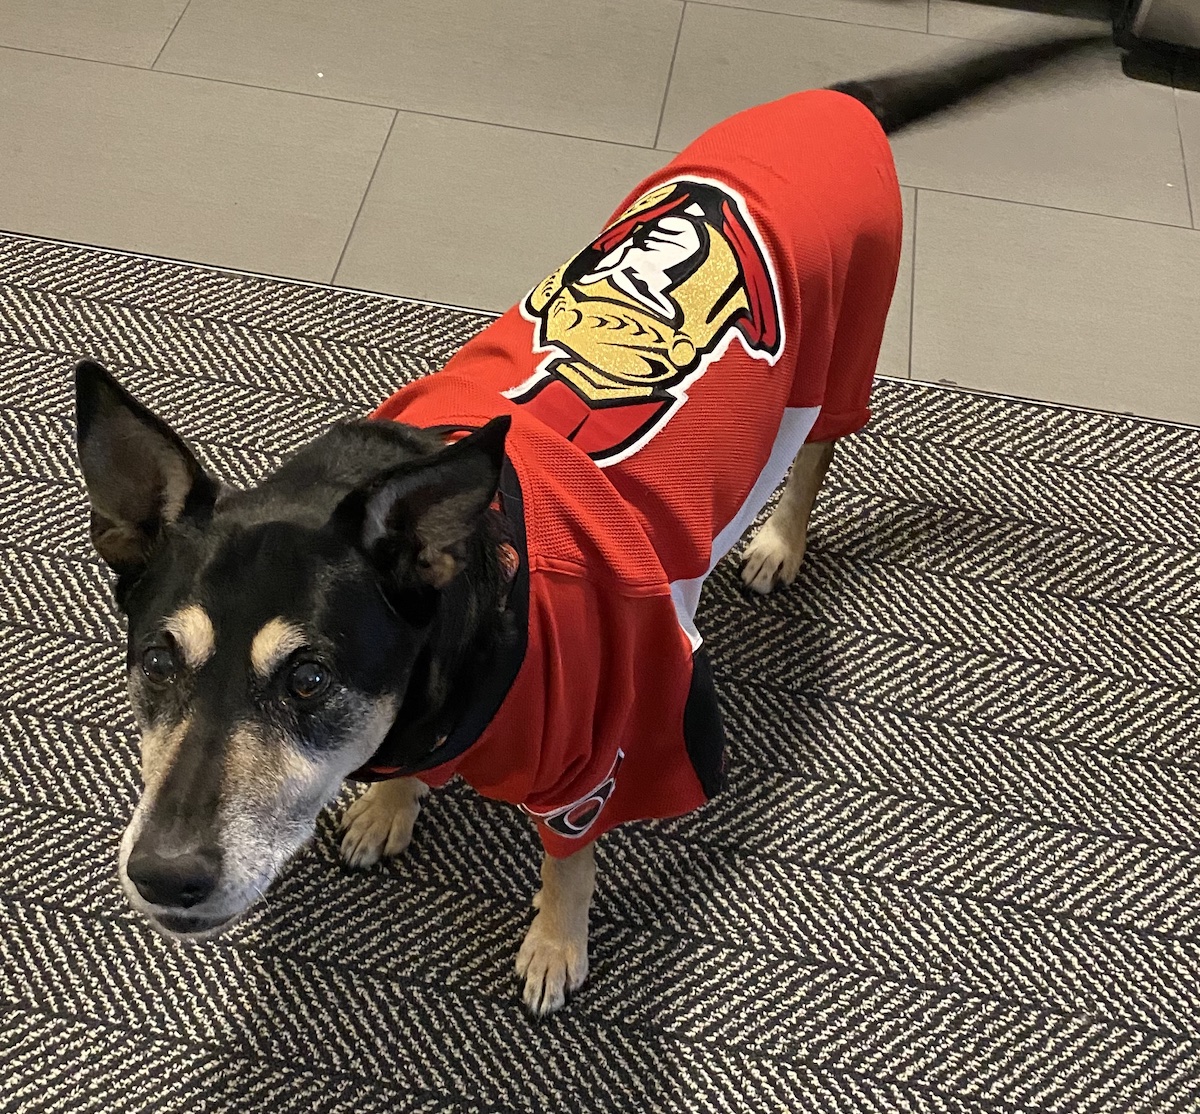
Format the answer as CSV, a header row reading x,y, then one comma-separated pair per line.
x,y
956,869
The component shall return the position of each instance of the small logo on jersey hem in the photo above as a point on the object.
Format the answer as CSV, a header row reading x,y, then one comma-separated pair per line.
x,y
574,820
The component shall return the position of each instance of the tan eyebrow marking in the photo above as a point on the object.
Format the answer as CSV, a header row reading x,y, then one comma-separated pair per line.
x,y
275,640
193,632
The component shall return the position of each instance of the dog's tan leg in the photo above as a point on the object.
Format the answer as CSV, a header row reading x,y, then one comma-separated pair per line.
x,y
380,822
773,556
553,959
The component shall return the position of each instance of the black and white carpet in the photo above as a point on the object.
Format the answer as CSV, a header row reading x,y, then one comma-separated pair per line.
x,y
956,869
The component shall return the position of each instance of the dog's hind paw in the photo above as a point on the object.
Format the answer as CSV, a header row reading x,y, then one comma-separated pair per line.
x,y
771,558
553,965
380,823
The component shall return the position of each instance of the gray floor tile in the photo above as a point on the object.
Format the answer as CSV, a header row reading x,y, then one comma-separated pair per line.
x,y
910,15
893,356
1067,307
970,19
1188,107
594,68
131,32
1081,137
729,59
1086,138
173,166
475,214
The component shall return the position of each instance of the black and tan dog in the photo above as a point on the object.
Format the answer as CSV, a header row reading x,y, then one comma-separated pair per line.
x,y
497,576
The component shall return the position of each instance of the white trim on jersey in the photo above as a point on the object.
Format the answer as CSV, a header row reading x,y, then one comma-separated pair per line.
x,y
794,429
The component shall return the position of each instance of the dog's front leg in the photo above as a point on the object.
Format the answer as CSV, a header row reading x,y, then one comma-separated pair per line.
x,y
380,823
553,959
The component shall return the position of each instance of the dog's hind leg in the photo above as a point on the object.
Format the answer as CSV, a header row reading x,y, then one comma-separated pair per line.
x,y
553,959
773,556
380,823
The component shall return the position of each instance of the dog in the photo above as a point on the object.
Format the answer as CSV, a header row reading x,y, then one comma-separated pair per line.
x,y
496,575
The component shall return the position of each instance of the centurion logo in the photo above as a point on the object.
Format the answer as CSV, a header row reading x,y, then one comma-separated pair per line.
x,y
636,317
575,819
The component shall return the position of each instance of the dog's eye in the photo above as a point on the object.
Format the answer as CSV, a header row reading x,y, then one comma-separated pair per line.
x,y
158,663
308,680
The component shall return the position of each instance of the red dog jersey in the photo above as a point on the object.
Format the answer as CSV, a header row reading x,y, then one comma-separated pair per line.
x,y
660,384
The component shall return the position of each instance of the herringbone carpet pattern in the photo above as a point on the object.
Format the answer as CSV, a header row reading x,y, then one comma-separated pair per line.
x,y
956,869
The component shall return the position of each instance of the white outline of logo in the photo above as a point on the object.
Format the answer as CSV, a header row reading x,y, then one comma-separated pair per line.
x,y
601,793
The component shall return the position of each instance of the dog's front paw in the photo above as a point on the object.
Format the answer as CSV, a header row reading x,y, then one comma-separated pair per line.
x,y
553,963
772,558
380,823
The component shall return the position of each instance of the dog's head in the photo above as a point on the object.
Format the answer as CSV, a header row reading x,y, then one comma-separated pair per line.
x,y
275,635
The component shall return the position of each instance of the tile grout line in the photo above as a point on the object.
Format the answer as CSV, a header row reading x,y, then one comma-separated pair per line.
x,y
362,203
662,112
1050,208
241,272
170,34
1187,186
725,7
333,100
912,284
374,104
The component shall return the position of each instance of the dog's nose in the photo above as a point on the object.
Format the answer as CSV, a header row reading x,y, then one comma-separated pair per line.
x,y
180,881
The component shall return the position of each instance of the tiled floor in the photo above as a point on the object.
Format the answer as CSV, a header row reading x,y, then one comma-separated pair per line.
x,y
456,150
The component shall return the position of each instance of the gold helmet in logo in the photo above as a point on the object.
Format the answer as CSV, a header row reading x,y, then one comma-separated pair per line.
x,y
634,311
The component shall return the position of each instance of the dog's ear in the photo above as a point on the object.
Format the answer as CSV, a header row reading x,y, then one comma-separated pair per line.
x,y
415,520
140,475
